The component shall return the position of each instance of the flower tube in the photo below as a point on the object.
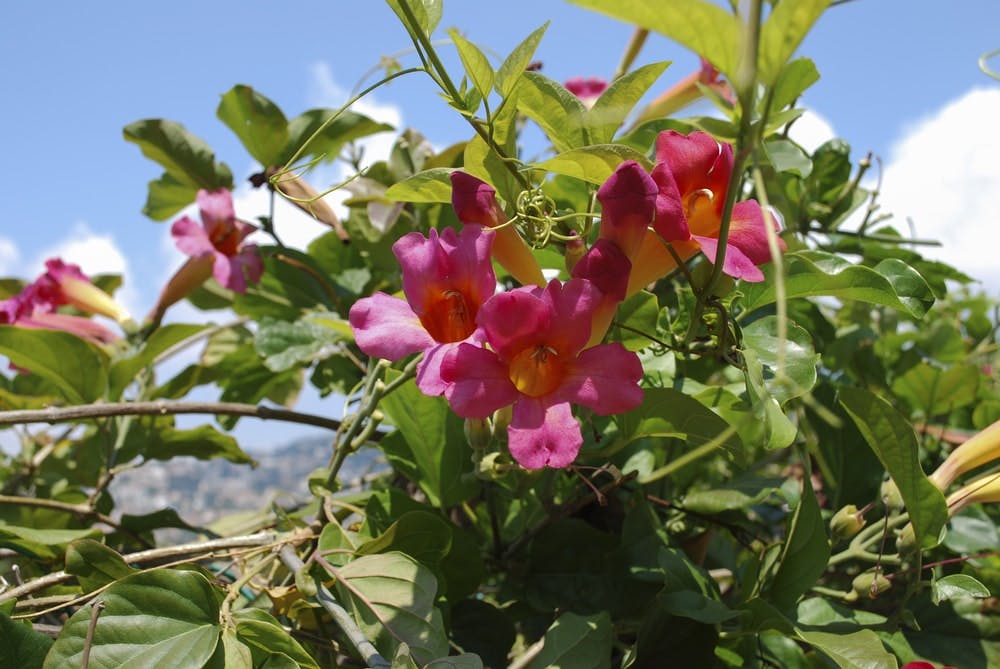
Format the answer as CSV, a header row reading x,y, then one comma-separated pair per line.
x,y
983,447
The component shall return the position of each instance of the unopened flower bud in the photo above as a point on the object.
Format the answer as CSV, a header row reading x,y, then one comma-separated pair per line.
x,y
906,540
846,523
478,432
575,249
502,418
870,584
891,496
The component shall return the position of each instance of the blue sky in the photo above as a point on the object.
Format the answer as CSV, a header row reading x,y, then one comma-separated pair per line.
x,y
899,78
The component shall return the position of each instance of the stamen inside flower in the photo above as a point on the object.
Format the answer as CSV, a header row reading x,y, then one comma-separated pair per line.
x,y
699,210
449,317
226,239
537,370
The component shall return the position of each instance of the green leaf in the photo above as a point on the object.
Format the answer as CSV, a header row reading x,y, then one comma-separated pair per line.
x,y
891,283
559,113
335,128
514,65
45,544
156,618
796,76
237,654
782,33
580,642
892,439
284,345
422,535
594,163
22,647
786,156
615,104
777,431
433,185
166,196
856,650
482,161
391,596
124,370
666,413
257,121
477,66
186,157
740,493
76,367
427,12
95,565
267,639
462,661
805,553
480,627
935,391
800,360
705,28
956,586
636,316
436,442
157,439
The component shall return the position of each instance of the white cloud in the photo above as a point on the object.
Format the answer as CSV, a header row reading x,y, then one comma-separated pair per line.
x,y
811,130
9,257
943,176
95,253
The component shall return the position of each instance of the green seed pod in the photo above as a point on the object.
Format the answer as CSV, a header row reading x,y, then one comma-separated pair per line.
x,y
478,433
846,523
906,541
891,496
869,585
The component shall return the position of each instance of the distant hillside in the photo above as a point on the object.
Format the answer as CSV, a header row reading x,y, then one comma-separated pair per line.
x,y
203,491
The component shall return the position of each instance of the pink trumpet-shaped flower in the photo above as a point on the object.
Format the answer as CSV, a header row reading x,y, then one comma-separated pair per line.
x,y
446,279
536,361
684,92
588,89
219,238
475,202
692,174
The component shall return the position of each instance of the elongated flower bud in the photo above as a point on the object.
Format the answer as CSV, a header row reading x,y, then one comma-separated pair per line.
x,y
984,489
980,449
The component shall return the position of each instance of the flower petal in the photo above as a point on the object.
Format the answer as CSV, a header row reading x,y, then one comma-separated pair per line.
x,y
474,200
543,435
606,266
628,204
736,265
386,327
514,320
605,379
573,305
216,207
748,232
697,161
478,381
670,221
191,238
429,370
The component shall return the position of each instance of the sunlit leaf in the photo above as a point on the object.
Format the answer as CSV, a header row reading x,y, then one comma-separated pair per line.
x,y
958,585
257,121
477,66
782,32
615,104
94,564
77,368
186,157
595,163
433,185
558,112
581,642
854,650
517,61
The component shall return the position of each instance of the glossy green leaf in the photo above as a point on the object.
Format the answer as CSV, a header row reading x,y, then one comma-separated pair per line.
x,y
391,596
435,439
268,640
237,654
782,33
433,185
166,196
891,437
573,640
891,283
610,110
461,661
284,345
972,531
186,157
94,564
157,439
124,370
157,618
786,156
854,650
22,647
423,536
636,317
74,366
799,362
776,430
558,112
956,586
594,163
705,28
482,161
46,544
517,61
935,391
257,121
324,132
669,413
740,493
477,66
804,554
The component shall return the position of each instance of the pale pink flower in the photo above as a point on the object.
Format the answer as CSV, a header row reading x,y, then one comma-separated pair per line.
x,y
588,89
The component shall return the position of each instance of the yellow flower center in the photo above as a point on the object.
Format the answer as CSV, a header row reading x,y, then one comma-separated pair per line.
x,y
449,317
700,212
537,370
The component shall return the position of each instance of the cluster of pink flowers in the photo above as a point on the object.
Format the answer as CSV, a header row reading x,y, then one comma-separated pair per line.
x,y
538,348
36,306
